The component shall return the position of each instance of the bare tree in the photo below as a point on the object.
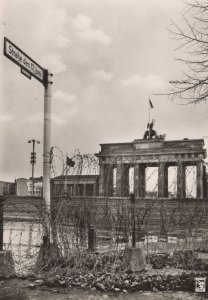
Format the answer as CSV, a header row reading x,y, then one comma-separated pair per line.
x,y
193,38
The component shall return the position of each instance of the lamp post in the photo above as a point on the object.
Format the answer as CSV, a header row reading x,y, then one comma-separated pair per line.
x,y
33,161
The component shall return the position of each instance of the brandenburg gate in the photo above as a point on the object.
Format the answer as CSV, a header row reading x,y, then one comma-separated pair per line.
x,y
118,158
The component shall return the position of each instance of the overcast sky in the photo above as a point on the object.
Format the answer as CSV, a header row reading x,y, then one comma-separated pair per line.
x,y
108,57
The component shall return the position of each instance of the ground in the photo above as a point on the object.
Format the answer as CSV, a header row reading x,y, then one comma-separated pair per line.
x,y
19,290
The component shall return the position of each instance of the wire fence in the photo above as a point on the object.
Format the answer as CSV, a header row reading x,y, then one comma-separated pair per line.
x,y
83,224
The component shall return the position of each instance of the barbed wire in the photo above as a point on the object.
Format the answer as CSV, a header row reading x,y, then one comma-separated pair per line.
x,y
110,216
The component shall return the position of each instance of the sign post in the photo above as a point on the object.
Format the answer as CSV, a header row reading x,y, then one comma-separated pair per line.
x,y
47,159
30,68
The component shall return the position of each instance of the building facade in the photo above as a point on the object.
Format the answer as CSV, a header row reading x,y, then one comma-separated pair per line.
x,y
38,187
7,188
24,187
116,160
21,187
75,185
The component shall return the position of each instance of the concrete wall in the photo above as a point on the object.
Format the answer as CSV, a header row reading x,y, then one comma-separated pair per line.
x,y
158,216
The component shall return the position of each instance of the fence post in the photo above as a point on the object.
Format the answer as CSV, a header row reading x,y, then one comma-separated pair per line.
x,y
91,238
1,222
134,259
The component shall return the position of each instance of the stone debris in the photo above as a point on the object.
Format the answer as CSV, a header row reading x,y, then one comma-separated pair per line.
x,y
39,281
31,285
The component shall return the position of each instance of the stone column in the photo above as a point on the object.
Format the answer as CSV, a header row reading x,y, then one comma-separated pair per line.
x,y
139,180
84,189
166,181
125,180
142,180
109,180
181,179
136,180
94,193
74,189
70,189
199,183
163,180
101,180
119,192
204,182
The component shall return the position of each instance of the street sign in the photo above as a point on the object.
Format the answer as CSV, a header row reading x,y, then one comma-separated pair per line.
x,y
24,72
24,61
30,68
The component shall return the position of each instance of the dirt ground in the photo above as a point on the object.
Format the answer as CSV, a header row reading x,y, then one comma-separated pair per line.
x,y
16,289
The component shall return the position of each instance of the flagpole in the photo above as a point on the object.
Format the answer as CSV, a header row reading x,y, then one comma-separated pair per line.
x,y
65,183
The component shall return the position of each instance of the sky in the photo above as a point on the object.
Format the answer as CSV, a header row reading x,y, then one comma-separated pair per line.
x,y
108,57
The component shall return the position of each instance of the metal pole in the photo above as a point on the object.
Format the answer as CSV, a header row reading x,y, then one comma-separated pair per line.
x,y
46,157
33,141
149,117
33,160
65,182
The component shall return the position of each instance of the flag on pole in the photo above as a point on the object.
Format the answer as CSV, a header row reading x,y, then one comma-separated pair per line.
x,y
69,162
150,103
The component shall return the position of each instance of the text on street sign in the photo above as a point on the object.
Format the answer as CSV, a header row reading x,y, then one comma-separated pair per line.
x,y
24,61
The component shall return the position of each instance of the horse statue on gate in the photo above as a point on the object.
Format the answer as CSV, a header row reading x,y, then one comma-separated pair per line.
x,y
150,133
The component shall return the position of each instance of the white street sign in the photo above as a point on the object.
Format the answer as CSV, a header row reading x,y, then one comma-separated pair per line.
x,y
24,61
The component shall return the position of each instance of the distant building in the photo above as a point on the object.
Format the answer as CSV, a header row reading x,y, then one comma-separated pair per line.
x,y
72,185
24,187
7,188
75,185
38,187
21,189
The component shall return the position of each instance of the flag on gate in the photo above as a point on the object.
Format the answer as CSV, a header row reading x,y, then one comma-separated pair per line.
x,y
150,103
69,162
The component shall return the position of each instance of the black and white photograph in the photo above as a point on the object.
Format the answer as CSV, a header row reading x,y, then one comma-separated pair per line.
x,y
103,138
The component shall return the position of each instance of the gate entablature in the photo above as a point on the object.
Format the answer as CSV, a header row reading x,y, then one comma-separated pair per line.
x,y
155,152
